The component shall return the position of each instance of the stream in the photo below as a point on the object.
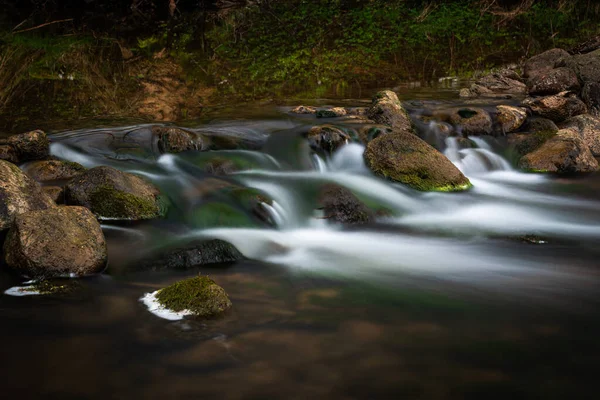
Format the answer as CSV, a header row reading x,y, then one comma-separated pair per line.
x,y
490,293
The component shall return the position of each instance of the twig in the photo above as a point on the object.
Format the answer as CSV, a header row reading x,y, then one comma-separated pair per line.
x,y
42,25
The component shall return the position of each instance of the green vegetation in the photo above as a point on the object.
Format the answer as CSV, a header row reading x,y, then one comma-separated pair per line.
x,y
108,202
200,295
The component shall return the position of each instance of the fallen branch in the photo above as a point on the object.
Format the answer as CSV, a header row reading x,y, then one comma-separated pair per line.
x,y
43,25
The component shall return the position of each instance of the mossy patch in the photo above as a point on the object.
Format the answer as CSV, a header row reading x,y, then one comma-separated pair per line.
x,y
200,295
108,202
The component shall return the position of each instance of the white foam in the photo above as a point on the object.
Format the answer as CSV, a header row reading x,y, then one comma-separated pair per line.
x,y
20,291
150,301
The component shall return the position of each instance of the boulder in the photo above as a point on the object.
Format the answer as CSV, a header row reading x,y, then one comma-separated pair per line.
x,y
327,138
176,140
190,255
56,193
8,153
357,111
471,121
114,195
587,46
367,133
524,143
539,124
510,118
332,112
588,128
545,62
56,242
557,108
591,97
18,194
589,67
404,157
386,109
554,81
340,205
53,170
200,296
564,153
32,145
304,110
503,83
221,166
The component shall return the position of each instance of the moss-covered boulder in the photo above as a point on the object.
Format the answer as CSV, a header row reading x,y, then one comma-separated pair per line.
x,y
8,153
200,295
565,152
53,170
588,127
554,81
471,121
340,205
327,138
368,132
18,194
32,145
386,109
115,195
404,157
55,242
557,108
510,118
521,144
189,255
176,140
334,112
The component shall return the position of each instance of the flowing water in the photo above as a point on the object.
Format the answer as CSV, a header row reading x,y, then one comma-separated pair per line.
x,y
490,293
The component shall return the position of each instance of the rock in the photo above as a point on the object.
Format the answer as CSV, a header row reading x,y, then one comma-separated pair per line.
x,y
304,110
591,97
32,145
589,67
557,108
524,143
564,153
332,112
554,81
588,128
327,138
191,255
53,170
471,121
221,166
367,133
538,124
357,111
340,205
504,83
386,109
112,194
176,140
404,157
510,118
18,194
55,242
56,193
544,62
199,295
8,153
587,46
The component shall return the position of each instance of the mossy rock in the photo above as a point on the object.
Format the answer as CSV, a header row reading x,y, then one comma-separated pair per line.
x,y
53,170
32,145
332,112
471,121
342,206
386,109
327,138
405,158
8,153
219,214
176,140
525,143
115,195
199,295
557,108
49,287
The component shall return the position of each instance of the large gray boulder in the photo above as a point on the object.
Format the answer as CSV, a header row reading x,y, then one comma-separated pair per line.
x,y
18,194
114,195
557,108
554,81
545,62
56,242
588,127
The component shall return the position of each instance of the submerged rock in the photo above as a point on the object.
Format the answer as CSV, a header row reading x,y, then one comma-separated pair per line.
x,y
112,194
200,296
18,194
404,157
563,153
44,288
510,118
32,145
176,140
557,108
327,138
53,170
471,120
342,206
8,153
56,242
588,128
190,255
386,109
221,166
304,110
332,112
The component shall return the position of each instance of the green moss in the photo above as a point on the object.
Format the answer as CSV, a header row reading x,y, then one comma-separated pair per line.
x,y
45,287
107,202
200,294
